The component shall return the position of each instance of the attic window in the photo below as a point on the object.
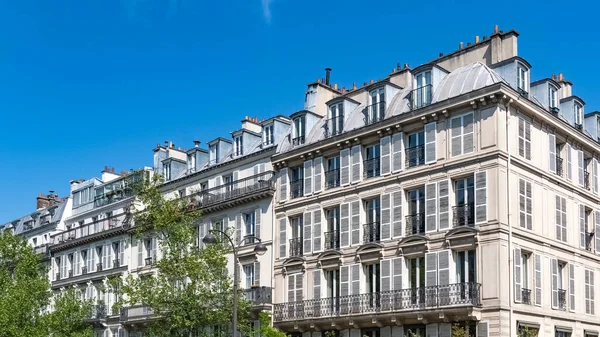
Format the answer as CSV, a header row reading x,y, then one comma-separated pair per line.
x,y
521,78
268,137
578,112
238,149
214,154
167,171
192,162
552,97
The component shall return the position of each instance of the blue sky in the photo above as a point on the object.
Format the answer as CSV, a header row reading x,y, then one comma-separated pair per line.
x,y
91,83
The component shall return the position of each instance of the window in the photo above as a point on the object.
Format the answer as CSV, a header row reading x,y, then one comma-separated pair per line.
x,y
192,162
526,290
332,174
562,333
561,219
416,279
466,267
464,210
524,138
203,186
268,136
213,153
248,275
415,220
250,224
181,193
332,236
415,330
578,114
371,332
332,277
521,78
299,130
462,134
99,256
376,111
423,90
228,182
590,306
85,261
372,163
167,171
336,119
415,151
525,204
297,182
237,146
371,228
552,97
83,196
296,241
373,274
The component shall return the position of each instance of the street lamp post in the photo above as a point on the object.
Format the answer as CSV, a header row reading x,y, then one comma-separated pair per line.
x,y
260,249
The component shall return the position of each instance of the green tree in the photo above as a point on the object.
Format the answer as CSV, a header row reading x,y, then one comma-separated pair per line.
x,y
192,288
459,330
267,330
69,315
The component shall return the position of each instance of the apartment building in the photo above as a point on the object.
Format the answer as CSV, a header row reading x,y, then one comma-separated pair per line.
x,y
97,244
457,192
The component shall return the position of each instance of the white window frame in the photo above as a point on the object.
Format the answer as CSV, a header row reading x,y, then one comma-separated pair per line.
x,y
552,97
248,275
300,126
521,77
268,137
462,133
563,214
578,113
237,145
250,223
167,171
423,79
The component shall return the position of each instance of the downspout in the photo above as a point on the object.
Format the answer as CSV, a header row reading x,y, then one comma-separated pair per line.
x,y
511,287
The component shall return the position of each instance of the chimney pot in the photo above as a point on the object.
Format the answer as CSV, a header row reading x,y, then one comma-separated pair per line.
x,y
113,170
56,195
196,143
560,77
354,86
393,70
364,84
327,75
318,80
460,45
441,54
496,29
476,38
398,66
371,82
468,44
405,65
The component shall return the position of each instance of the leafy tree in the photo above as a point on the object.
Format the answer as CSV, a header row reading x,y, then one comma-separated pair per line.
x,y
459,330
527,332
192,288
267,330
69,315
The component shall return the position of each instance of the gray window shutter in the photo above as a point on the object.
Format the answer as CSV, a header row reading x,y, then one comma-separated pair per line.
x,y
592,291
356,163
444,204
430,138
456,130
443,258
291,288
563,204
386,218
483,329
431,330
355,222
344,280
587,291
527,140
386,275
595,175
345,167
430,207
552,148
580,170
283,184
597,231
355,278
308,182
105,264
317,232
582,229
397,214
571,287
569,162
537,279
299,287
386,155
344,225
397,331
122,247
354,332
397,266
445,330
481,197
518,275
282,238
522,204
397,148
529,205
75,268
468,133
345,333
554,270
140,254
238,228
318,174
316,284
257,217
256,281
307,224
431,269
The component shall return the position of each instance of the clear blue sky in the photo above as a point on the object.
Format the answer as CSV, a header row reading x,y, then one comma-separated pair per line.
x,y
89,83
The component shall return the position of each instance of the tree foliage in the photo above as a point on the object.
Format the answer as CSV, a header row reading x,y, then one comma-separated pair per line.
x,y
192,288
69,315
459,330
267,330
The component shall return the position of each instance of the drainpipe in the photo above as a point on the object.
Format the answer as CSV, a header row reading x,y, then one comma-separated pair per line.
x,y
511,287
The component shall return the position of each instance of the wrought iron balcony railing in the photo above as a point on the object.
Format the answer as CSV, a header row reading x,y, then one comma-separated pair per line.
x,y
559,166
562,299
333,126
332,178
99,266
135,313
332,240
424,298
298,141
586,180
463,215
113,196
420,97
84,270
233,190
589,239
296,247
526,296
91,228
371,232
415,224
296,188
374,113
415,156
149,261
372,167
259,295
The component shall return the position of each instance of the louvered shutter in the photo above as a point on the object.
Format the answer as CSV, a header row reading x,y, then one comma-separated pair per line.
x,y
468,133
592,294
257,219
522,204
575,164
569,162
317,231
308,182
345,225
582,228
430,139
76,266
571,287
386,218
316,284
355,222
537,279
283,184
597,230
431,269
552,151
344,288
554,271
345,167
483,329
397,266
445,330
456,133
282,238
238,228
64,265
307,238
528,205
356,163
595,174
580,164
481,197
109,253
90,261
431,330
444,204
397,148
444,273
386,155
355,278
386,275
122,247
299,287
587,291
430,208
345,333
564,218
105,249
153,249
318,174
397,214
256,281
518,275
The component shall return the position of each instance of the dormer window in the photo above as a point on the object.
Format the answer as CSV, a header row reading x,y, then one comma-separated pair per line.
x,y
167,171
423,90
578,112
191,162
299,130
268,136
376,110
521,79
335,125
213,153
552,97
237,146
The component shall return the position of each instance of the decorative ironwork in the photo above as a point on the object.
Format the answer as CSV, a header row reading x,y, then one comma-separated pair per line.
x,y
259,295
296,247
332,240
333,126
95,227
420,97
371,232
526,296
415,156
84,270
586,180
116,263
372,167
297,188
332,178
562,299
559,166
134,313
589,239
463,215
149,261
99,266
415,224
374,113
298,141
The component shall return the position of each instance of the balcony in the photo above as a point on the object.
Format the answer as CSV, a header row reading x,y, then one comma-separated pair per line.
x,y
57,276
586,180
149,261
296,247
259,295
296,188
559,166
98,312
332,178
298,141
526,296
415,156
70,273
374,113
420,97
562,299
332,240
463,215
372,167
100,228
371,232
42,250
397,301
415,224
333,126
234,193
99,266
113,196
135,314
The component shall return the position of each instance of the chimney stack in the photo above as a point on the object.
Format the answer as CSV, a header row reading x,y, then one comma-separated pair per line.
x,y
196,143
405,65
460,45
327,75
560,77
44,201
477,39
495,29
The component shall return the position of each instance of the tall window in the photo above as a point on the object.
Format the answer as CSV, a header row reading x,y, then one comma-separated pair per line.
x,y
423,89
332,175
415,220
268,136
296,240
372,163
167,171
377,111
416,279
237,146
213,152
332,277
299,130
521,78
524,138
191,162
332,236
249,275
466,267
297,182
464,210
561,219
371,229
228,182
250,223
373,273
589,292
415,151
552,97
578,111
336,118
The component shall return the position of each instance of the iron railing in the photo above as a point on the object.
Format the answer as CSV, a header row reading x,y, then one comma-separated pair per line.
x,y
374,113
259,295
229,191
559,166
99,266
372,167
463,215
526,296
415,156
95,227
333,126
149,261
424,298
371,232
332,239
562,299
415,224
586,180
589,239
298,141
135,313
420,97
296,188
296,247
332,178
84,270
98,311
